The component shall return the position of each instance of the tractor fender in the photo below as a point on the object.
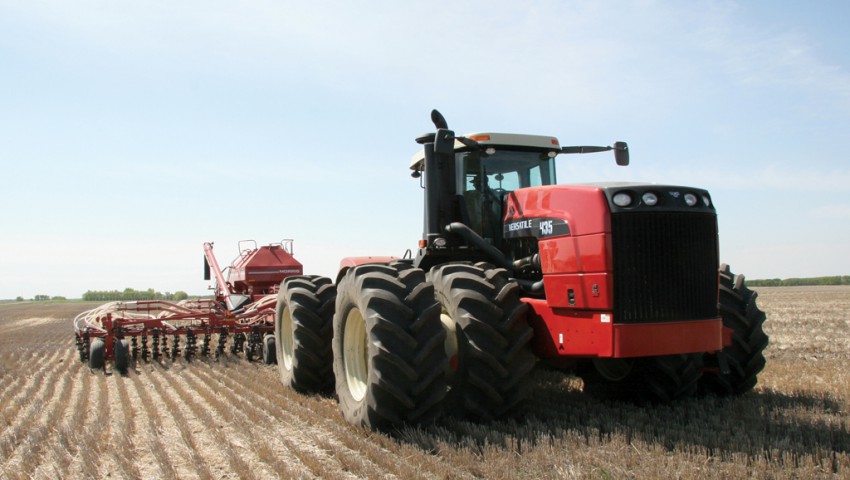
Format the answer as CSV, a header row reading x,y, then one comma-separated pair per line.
x,y
350,262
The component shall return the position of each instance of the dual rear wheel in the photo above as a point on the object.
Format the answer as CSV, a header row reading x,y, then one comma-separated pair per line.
x,y
303,331
388,347
409,347
488,340
401,342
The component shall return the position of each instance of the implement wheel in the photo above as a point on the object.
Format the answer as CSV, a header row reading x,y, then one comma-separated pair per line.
x,y
388,350
488,339
122,355
269,349
744,358
97,354
303,331
643,380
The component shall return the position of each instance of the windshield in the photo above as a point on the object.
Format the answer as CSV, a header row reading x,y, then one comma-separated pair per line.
x,y
505,170
484,179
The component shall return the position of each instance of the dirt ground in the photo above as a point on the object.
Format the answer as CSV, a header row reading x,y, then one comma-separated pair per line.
x,y
230,418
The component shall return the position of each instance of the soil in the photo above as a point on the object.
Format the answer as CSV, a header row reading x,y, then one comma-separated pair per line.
x,y
230,418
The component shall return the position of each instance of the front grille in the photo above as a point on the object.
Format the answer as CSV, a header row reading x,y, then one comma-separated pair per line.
x,y
665,266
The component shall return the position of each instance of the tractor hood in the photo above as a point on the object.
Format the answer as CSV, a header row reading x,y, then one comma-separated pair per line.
x,y
586,207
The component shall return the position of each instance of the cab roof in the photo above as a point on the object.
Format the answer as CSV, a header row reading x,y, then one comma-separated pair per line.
x,y
493,138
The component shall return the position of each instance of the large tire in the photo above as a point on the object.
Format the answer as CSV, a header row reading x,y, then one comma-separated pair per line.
x,y
492,358
122,355
661,379
269,349
744,358
388,350
303,332
97,354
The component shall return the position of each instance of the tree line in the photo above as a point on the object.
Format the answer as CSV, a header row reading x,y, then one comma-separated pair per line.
x,y
129,295
800,282
42,298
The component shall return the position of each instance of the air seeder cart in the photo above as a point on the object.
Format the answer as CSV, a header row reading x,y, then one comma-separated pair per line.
x,y
239,319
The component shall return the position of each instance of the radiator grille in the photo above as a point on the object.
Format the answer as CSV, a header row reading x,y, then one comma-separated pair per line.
x,y
665,266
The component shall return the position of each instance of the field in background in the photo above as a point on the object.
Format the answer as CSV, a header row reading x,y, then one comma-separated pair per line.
x,y
233,419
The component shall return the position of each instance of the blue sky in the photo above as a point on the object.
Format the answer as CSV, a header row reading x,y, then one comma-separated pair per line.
x,y
132,132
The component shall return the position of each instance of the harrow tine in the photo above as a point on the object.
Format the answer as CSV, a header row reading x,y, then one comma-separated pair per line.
x,y
222,342
155,344
238,343
83,346
205,345
254,344
164,346
190,345
145,352
175,349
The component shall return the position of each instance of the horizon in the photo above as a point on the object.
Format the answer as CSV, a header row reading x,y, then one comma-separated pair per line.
x,y
211,295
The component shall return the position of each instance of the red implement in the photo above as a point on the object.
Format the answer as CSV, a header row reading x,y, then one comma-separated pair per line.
x,y
243,308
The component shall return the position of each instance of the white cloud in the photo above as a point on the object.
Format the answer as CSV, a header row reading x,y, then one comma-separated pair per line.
x,y
770,56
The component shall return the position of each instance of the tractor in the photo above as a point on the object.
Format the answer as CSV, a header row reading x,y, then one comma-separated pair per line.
x,y
618,282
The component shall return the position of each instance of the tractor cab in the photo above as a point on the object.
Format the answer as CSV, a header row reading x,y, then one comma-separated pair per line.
x,y
467,180
483,175
486,177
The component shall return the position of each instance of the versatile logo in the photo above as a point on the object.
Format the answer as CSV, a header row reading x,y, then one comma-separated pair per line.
x,y
536,227
520,225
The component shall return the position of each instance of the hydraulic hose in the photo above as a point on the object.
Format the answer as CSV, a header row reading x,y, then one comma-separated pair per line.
x,y
473,239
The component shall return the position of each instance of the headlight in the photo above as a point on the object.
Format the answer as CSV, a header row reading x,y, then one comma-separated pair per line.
x,y
706,200
650,199
622,199
690,199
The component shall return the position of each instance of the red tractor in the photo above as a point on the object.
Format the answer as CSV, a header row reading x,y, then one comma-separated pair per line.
x,y
619,282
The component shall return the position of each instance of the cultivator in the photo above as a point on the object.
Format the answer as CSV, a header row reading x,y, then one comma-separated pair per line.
x,y
240,319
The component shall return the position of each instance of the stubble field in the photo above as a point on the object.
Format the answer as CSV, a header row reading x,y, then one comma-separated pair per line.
x,y
233,419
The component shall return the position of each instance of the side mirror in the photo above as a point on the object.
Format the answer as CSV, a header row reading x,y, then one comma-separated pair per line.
x,y
621,153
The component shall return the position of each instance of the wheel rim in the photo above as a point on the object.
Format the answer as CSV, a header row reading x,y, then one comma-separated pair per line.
x,y
355,354
451,343
287,337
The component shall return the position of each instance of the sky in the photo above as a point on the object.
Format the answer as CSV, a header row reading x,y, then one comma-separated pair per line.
x,y
133,132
